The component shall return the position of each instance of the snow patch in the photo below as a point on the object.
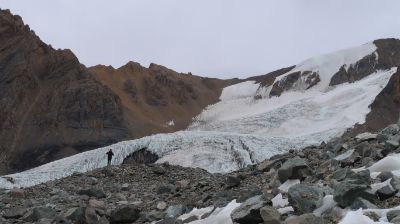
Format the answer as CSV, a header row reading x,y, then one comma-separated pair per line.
x,y
327,204
220,215
278,201
285,186
171,123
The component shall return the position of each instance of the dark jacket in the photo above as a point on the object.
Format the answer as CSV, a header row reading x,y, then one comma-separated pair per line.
x,y
110,154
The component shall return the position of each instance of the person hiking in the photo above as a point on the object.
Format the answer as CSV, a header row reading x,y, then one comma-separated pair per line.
x,y
110,154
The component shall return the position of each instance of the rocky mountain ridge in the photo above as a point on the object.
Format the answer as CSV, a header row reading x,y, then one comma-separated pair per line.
x,y
52,106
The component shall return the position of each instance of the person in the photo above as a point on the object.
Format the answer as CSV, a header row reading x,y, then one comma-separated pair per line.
x,y
110,155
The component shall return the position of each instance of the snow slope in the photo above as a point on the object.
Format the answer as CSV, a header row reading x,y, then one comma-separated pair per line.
x,y
240,130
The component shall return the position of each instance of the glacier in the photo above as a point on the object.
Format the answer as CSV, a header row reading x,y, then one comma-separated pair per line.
x,y
240,130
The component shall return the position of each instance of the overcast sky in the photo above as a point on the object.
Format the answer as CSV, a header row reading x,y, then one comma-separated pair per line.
x,y
215,38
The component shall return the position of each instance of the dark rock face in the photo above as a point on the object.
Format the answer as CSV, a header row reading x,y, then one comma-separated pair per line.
x,y
361,69
50,105
141,156
305,79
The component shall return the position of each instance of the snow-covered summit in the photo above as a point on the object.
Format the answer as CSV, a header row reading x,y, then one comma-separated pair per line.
x,y
242,129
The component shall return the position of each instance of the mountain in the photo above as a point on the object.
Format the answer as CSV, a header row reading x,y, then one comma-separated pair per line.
x,y
312,103
52,106
318,142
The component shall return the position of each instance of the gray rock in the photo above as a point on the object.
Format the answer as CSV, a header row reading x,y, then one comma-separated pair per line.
x,y
395,182
125,214
232,181
249,211
17,193
347,191
166,189
386,192
350,189
391,130
174,211
365,137
362,203
190,219
342,173
14,213
270,215
40,213
125,187
76,215
305,219
158,169
304,198
170,221
372,215
295,168
396,220
90,216
152,216
61,220
161,205
249,194
92,192
392,214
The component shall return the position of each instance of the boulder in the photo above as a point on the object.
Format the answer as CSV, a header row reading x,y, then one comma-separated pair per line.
x,y
125,214
92,192
174,211
161,205
392,214
386,192
17,193
304,198
305,219
385,176
342,173
14,213
270,215
166,189
395,182
182,184
362,203
125,187
152,216
40,213
249,211
158,169
295,168
232,181
365,137
354,186
91,216
97,204
347,191
76,215
391,130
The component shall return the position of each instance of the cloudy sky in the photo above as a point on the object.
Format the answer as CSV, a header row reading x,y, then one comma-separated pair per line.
x,y
215,38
